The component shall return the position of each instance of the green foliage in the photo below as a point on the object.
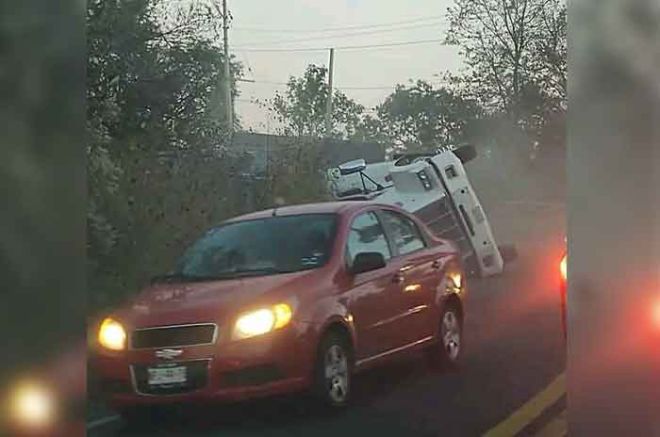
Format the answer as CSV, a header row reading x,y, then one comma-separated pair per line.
x,y
301,109
296,175
411,117
163,79
419,116
154,76
515,55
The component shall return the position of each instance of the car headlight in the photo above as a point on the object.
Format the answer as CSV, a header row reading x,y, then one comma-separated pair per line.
x,y
456,280
32,405
112,335
262,321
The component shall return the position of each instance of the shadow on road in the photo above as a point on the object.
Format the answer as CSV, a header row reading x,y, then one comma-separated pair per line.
x,y
278,414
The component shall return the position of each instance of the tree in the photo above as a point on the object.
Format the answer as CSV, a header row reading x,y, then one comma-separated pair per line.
x,y
154,72
419,116
161,73
549,65
511,47
301,109
371,129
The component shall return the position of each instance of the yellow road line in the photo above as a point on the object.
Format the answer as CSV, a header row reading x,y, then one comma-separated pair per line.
x,y
556,427
526,414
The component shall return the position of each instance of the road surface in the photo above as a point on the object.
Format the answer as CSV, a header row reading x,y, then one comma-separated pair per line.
x,y
511,381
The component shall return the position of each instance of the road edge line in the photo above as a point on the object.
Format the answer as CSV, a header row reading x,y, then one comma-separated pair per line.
x,y
531,410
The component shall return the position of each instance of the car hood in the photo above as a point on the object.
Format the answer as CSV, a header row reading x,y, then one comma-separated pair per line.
x,y
211,301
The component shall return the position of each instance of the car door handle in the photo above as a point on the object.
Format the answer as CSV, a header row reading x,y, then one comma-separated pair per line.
x,y
398,278
436,264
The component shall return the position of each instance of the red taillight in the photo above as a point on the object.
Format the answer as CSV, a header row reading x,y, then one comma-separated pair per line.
x,y
656,314
562,268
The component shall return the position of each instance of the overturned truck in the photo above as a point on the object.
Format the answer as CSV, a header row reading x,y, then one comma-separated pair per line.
x,y
435,187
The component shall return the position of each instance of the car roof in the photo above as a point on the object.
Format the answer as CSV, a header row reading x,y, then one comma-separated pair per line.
x,y
335,207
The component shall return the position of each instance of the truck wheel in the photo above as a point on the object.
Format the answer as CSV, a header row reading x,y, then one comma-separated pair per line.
x,y
472,268
332,372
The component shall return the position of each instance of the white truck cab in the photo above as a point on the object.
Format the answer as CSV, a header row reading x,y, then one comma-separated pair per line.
x,y
434,187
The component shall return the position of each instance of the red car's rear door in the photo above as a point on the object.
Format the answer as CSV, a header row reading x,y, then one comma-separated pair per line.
x,y
420,271
373,295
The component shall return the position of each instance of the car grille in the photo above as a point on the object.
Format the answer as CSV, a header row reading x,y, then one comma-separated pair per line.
x,y
174,336
196,379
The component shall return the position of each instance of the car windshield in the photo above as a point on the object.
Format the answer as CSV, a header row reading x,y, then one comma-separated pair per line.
x,y
270,245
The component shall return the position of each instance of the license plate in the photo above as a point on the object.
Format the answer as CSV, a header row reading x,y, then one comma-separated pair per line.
x,y
167,375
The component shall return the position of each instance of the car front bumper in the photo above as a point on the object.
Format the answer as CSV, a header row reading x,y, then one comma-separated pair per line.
x,y
275,363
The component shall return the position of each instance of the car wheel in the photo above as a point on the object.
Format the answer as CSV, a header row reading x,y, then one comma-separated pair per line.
x,y
332,372
447,351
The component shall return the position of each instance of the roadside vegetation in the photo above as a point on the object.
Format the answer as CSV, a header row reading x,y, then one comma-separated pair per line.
x,y
162,166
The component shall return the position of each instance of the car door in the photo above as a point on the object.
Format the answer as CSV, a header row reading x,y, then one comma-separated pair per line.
x,y
371,293
419,272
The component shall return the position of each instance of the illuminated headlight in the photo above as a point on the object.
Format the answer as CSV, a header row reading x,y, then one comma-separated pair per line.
x,y
32,405
112,335
456,279
262,321
454,282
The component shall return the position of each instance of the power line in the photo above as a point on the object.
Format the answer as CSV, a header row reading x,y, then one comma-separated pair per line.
x,y
383,87
360,47
364,88
346,35
336,29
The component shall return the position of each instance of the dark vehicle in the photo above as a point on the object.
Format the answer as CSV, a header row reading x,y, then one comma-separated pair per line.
x,y
297,298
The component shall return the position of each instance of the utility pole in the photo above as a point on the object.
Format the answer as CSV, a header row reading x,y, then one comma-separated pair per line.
x,y
328,111
228,97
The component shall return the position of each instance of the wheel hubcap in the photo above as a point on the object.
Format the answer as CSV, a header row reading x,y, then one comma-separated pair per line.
x,y
451,335
336,373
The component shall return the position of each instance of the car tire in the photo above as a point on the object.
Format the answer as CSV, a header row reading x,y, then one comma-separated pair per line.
x,y
447,351
333,371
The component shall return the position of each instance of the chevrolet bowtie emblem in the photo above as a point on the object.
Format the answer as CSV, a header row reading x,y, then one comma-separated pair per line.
x,y
168,354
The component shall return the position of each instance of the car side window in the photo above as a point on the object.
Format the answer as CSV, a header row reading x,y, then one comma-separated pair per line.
x,y
404,232
366,235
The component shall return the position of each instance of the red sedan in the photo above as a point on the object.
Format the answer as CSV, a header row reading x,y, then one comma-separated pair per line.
x,y
295,298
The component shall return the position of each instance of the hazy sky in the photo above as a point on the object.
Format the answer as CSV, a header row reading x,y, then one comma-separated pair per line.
x,y
286,24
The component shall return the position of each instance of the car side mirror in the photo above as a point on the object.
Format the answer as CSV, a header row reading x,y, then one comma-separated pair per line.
x,y
367,261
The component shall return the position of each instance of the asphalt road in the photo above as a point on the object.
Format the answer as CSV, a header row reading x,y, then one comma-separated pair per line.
x,y
514,350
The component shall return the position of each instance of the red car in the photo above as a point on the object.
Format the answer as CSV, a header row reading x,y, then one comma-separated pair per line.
x,y
285,300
